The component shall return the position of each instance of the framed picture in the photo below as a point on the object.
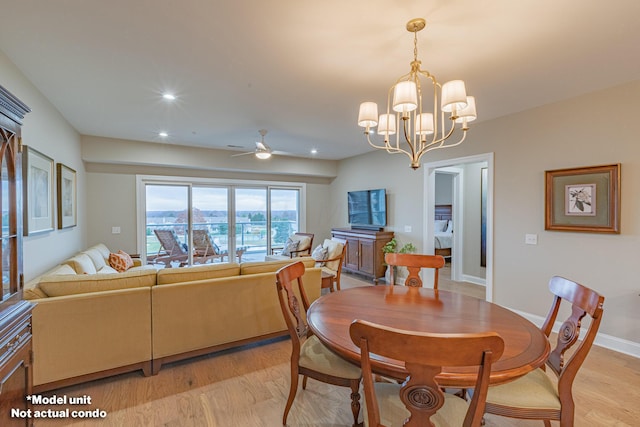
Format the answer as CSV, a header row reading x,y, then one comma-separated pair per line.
x,y
583,199
38,190
67,203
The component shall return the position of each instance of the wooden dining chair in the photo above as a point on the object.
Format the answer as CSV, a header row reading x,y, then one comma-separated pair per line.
x,y
420,401
414,263
309,357
535,396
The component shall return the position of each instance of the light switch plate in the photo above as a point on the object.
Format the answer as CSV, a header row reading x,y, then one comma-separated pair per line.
x,y
531,239
115,230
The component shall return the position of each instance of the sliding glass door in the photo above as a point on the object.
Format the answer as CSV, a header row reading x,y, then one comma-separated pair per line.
x,y
200,222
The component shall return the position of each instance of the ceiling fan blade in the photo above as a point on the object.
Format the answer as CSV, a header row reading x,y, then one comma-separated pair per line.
x,y
243,154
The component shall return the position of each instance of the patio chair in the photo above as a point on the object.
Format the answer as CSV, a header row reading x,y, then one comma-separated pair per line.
x,y
171,249
205,249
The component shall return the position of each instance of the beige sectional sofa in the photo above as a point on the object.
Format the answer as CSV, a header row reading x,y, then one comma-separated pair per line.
x,y
89,325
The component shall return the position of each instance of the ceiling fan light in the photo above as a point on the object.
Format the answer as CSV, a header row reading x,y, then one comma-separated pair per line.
x,y
263,155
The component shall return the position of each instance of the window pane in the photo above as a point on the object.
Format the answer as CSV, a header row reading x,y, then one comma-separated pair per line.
x,y
167,211
284,215
251,221
210,213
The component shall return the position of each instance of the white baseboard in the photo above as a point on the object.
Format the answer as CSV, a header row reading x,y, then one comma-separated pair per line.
x,y
475,280
603,340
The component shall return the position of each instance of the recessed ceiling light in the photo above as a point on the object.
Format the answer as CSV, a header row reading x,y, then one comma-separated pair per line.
x,y
163,134
169,96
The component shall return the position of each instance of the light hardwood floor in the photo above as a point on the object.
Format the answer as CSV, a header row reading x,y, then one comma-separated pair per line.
x,y
248,387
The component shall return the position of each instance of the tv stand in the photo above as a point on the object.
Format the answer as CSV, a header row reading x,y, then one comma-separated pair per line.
x,y
366,227
364,251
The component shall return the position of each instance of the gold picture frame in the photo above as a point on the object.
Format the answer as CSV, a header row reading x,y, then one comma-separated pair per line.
x,y
67,197
583,199
38,191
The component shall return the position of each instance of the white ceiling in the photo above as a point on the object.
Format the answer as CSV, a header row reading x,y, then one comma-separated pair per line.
x,y
300,68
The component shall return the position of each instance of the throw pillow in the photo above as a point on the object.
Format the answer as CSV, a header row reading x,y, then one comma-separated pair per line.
x,y
440,225
320,254
290,246
127,258
118,262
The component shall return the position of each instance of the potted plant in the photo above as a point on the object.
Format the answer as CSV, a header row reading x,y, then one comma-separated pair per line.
x,y
392,247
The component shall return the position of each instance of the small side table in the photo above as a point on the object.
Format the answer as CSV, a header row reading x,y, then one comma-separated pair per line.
x,y
327,281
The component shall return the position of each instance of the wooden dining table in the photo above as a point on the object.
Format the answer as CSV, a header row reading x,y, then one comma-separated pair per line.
x,y
428,310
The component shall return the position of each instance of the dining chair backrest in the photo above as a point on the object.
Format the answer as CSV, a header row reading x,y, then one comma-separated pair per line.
x,y
414,264
584,301
288,280
424,355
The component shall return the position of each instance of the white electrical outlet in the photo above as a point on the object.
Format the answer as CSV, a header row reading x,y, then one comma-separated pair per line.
x,y
531,239
115,230
407,229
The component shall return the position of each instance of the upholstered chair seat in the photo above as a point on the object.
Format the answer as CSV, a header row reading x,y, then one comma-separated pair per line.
x,y
314,355
393,412
536,390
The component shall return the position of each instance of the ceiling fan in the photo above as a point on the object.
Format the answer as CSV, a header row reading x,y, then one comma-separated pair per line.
x,y
262,151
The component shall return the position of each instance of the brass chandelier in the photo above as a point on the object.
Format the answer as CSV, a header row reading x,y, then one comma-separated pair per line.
x,y
405,110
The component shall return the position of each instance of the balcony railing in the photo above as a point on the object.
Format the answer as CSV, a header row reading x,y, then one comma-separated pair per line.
x,y
250,236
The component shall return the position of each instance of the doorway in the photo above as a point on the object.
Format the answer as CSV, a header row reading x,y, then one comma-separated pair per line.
x,y
472,217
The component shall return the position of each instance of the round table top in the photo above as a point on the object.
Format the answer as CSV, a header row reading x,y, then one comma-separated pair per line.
x,y
427,310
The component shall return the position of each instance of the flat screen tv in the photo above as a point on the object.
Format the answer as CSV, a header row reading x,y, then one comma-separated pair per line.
x,y
367,208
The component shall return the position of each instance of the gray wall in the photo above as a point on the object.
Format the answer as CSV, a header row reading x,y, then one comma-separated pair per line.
x,y
593,129
47,131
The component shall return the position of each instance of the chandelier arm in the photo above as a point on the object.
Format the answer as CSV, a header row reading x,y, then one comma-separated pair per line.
x,y
407,139
441,140
387,147
431,147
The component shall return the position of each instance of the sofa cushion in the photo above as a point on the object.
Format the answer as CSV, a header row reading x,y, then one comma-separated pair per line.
x,y
96,257
107,270
198,272
57,285
103,249
82,264
32,289
271,266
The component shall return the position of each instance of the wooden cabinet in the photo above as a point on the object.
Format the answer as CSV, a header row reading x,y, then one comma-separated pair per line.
x,y
364,251
15,313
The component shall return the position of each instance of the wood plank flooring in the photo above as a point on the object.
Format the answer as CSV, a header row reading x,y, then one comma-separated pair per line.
x,y
248,387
